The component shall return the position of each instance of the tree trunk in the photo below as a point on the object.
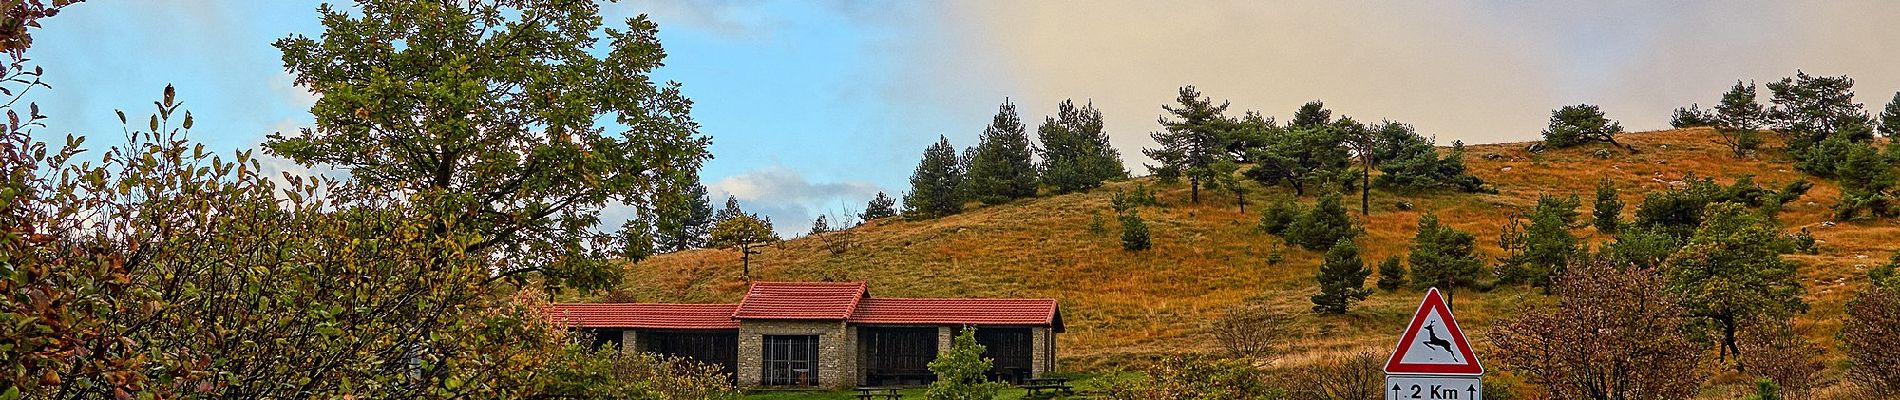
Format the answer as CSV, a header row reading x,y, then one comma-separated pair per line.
x,y
1365,191
1194,190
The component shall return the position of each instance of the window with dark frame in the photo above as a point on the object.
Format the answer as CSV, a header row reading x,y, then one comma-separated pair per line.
x,y
789,360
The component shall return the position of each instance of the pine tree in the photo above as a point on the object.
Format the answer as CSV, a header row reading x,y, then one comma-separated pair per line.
x,y
1738,119
1311,115
881,206
1890,120
1409,161
683,219
1364,142
934,186
1391,274
1299,157
1731,272
819,226
1326,224
745,233
1001,170
1076,154
1607,213
1867,181
1581,124
1549,246
1226,178
1191,143
1691,117
1342,279
731,210
1443,257
1808,109
1134,232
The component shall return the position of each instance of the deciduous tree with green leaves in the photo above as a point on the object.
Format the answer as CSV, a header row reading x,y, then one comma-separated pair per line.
x,y
489,112
960,371
1731,272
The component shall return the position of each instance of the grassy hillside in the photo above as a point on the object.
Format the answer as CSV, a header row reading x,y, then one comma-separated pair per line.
x,y
1208,257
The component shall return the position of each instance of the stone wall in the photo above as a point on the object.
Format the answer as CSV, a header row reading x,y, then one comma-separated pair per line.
x,y
1042,342
837,349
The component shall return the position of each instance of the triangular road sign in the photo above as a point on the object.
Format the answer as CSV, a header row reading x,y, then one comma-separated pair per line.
x,y
1441,350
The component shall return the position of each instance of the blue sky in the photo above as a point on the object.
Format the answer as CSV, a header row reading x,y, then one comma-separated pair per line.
x,y
813,106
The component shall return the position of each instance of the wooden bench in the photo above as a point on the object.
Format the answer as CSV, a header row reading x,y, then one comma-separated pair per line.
x,y
1041,387
872,393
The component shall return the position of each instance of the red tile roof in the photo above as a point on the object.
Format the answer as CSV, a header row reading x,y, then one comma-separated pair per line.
x,y
801,300
899,311
644,315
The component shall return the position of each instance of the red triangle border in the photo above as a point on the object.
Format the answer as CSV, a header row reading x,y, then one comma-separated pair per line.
x,y
1433,301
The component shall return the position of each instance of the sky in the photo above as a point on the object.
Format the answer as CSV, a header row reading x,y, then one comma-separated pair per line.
x,y
815,106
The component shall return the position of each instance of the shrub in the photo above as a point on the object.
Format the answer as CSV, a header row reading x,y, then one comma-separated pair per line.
x,y
1605,316
1142,196
1194,377
1781,354
1322,226
1391,274
1097,225
1870,336
1134,232
960,371
1355,377
1280,214
1250,333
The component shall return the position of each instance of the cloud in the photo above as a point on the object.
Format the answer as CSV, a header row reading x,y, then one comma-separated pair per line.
x,y
1474,71
791,200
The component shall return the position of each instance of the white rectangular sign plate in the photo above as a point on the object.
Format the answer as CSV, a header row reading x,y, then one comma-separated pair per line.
x,y
1433,387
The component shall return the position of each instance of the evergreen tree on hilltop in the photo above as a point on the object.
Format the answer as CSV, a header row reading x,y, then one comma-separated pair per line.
x,y
820,225
1890,120
882,206
1326,224
1001,170
684,218
1581,124
1738,119
731,210
1250,133
1299,157
1867,182
1443,257
934,186
1807,109
1409,161
1342,279
1191,142
1363,141
1311,115
1076,155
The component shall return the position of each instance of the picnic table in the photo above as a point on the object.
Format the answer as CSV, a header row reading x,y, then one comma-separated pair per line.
x,y
1052,386
877,392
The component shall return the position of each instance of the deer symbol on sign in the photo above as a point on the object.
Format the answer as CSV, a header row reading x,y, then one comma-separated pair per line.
x,y
1433,340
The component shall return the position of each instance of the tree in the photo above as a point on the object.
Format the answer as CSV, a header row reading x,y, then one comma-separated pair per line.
x,y
933,187
1810,108
1443,257
1391,274
960,371
745,233
1226,177
881,206
1134,232
1890,119
1409,161
1607,212
1870,335
1615,334
683,219
1823,159
1076,154
1363,142
1312,115
1730,272
20,15
1342,279
490,113
1691,117
1300,156
1192,142
1581,124
1867,181
1738,119
1322,226
1279,215
1000,169
1548,246
819,225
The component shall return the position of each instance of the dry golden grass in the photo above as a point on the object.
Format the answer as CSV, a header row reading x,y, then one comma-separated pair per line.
x,y
1208,257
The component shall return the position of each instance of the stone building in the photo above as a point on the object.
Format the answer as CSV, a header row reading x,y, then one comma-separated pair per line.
x,y
828,334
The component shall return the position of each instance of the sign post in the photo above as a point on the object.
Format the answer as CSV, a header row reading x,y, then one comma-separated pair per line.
x,y
1437,364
